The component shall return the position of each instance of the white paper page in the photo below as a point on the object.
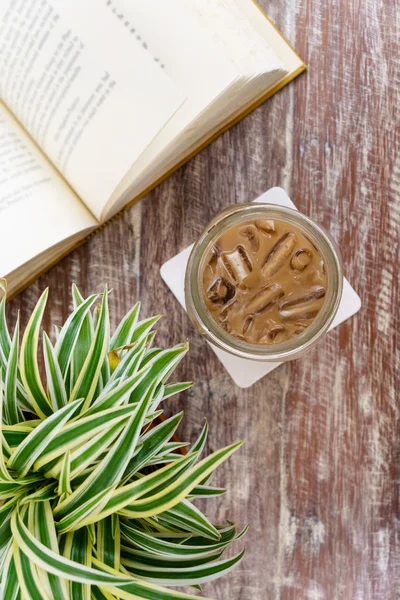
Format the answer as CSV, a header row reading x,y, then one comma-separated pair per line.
x,y
37,209
269,33
87,90
234,34
189,56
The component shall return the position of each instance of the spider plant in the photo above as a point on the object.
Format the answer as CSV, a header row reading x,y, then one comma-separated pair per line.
x,y
96,495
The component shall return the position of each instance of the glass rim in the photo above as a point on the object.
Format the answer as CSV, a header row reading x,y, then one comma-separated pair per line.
x,y
214,332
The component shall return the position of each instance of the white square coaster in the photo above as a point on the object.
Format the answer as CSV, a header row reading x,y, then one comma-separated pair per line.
x,y
246,372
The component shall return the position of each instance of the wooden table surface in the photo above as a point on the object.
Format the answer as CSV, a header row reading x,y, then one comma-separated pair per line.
x,y
318,479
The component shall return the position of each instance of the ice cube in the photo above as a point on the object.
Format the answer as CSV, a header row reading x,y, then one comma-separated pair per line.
x,y
301,259
226,326
305,307
237,263
275,335
212,263
300,327
247,324
220,291
279,254
264,299
265,225
251,234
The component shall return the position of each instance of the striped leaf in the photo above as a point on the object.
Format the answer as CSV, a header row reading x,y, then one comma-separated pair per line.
x,y
52,562
125,330
119,395
78,548
9,585
109,541
153,441
159,547
186,575
5,340
55,381
41,524
12,411
143,328
189,518
86,383
141,589
64,482
87,510
5,477
35,443
171,389
46,492
109,472
161,366
177,491
29,363
68,336
79,431
124,495
128,364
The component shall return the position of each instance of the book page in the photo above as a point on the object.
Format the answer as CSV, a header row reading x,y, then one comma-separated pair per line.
x,y
37,208
265,28
234,64
85,87
190,57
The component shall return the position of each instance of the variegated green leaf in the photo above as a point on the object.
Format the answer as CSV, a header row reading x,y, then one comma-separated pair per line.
x,y
137,589
64,482
161,366
109,472
35,443
85,455
5,477
87,510
178,490
9,586
143,328
86,383
188,517
29,362
79,431
152,442
55,381
124,332
119,395
41,524
12,411
171,389
159,547
68,336
109,541
187,575
46,492
129,364
78,548
5,340
124,495
52,562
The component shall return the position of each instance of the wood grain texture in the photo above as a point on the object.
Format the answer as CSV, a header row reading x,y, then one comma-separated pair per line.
x,y
318,480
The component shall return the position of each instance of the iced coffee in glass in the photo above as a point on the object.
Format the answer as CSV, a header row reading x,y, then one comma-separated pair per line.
x,y
263,282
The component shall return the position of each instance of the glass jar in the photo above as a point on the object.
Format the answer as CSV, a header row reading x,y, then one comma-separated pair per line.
x,y
207,326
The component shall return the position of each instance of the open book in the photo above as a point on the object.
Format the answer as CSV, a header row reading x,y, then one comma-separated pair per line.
x,y
101,99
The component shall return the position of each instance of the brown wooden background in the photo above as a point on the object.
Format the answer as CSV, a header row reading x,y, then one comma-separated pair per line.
x,y
318,480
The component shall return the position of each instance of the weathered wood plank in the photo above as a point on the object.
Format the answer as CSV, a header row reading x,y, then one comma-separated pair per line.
x,y
318,478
